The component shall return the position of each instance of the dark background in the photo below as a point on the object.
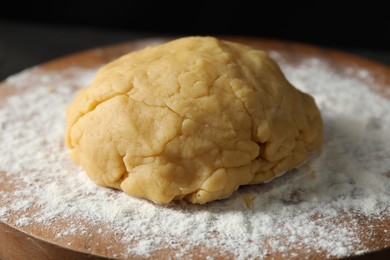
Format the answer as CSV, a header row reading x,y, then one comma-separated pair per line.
x,y
37,34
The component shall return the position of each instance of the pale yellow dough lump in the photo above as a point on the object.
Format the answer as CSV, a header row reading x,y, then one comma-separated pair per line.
x,y
191,119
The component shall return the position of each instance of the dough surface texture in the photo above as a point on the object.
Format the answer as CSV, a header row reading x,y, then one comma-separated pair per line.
x,y
191,119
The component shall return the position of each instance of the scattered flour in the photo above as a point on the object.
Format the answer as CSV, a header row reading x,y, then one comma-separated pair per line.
x,y
298,210
23,221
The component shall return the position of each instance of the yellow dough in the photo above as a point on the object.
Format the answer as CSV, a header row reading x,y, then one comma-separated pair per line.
x,y
191,119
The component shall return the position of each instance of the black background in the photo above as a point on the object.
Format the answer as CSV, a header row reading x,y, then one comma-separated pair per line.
x,y
37,34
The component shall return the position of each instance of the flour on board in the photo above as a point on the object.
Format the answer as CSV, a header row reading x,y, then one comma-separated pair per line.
x,y
298,210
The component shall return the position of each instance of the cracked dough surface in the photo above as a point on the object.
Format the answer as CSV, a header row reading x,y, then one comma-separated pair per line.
x,y
191,119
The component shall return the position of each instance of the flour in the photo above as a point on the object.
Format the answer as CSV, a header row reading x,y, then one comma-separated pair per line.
x,y
300,210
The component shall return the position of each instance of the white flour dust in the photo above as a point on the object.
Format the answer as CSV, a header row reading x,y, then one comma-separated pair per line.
x,y
299,210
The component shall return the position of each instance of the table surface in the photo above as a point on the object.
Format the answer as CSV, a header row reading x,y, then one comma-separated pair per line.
x,y
23,45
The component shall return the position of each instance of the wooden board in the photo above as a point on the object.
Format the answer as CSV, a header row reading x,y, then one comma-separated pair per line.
x,y
36,242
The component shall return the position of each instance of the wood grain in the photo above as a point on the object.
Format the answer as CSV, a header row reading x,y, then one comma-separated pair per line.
x,y
36,242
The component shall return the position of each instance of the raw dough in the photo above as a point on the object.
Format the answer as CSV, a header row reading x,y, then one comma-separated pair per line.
x,y
191,119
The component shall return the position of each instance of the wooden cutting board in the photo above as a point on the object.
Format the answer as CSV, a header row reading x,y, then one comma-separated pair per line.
x,y
37,242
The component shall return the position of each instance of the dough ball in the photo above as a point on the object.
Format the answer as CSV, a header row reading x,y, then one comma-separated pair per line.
x,y
191,119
